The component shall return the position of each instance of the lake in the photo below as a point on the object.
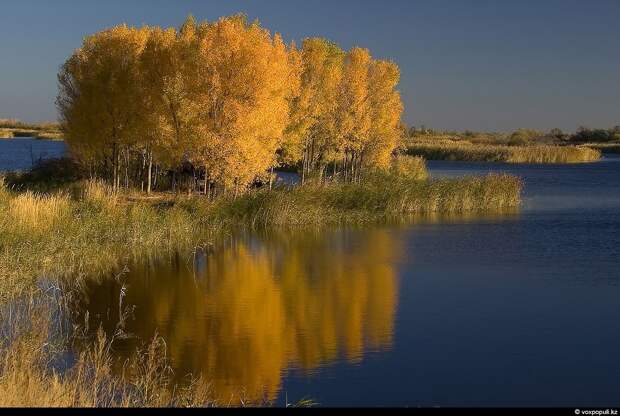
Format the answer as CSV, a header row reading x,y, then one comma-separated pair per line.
x,y
22,153
517,309
492,310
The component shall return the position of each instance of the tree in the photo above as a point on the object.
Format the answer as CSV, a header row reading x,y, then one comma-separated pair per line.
x,y
170,113
243,95
386,109
354,113
98,97
557,133
311,133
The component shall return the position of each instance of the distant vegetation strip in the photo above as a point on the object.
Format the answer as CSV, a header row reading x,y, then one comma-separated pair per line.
x,y
605,147
445,150
10,128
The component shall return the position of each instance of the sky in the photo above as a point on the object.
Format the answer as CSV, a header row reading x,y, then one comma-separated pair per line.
x,y
465,64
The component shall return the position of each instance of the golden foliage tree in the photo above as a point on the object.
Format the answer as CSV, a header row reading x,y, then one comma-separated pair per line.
x,y
226,101
242,90
98,86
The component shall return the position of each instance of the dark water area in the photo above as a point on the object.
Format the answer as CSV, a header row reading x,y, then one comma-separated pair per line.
x,y
489,310
21,153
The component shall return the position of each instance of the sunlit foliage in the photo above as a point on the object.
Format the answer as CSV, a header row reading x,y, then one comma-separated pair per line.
x,y
225,101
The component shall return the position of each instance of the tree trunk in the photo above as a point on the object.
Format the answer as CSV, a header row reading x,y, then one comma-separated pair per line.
x,y
150,170
206,190
114,168
303,166
270,178
126,169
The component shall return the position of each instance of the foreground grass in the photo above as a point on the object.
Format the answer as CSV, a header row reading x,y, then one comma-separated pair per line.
x,y
447,150
85,229
32,373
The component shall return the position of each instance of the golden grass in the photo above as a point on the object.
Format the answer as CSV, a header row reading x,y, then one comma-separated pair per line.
x,y
36,214
375,199
410,167
465,151
49,135
88,229
6,134
31,342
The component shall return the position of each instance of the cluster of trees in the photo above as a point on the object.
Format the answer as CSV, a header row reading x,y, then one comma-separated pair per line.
x,y
584,135
521,137
226,102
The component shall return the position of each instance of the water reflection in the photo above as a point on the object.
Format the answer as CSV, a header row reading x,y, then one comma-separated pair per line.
x,y
246,312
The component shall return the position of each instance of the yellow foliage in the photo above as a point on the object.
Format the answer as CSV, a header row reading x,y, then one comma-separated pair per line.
x,y
226,97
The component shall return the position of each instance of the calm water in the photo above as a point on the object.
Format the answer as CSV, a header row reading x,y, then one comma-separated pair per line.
x,y
22,153
516,310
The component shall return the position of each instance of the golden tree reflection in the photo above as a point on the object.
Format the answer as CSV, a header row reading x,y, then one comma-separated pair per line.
x,y
245,313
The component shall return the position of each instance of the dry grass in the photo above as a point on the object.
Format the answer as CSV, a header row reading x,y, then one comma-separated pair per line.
x,y
49,135
465,151
410,167
58,235
34,370
37,214
6,134
375,199
87,229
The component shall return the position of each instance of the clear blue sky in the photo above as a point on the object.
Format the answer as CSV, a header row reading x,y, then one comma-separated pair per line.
x,y
466,64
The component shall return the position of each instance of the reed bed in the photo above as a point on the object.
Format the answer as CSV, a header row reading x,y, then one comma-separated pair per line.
x,y
10,128
6,134
63,235
49,135
373,200
87,229
449,150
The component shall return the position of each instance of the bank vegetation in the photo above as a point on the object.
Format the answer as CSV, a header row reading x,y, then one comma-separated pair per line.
x,y
466,151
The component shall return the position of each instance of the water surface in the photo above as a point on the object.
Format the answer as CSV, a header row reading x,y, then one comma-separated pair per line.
x,y
496,310
21,153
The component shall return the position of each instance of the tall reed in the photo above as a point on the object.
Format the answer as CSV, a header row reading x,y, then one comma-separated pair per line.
x,y
31,344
